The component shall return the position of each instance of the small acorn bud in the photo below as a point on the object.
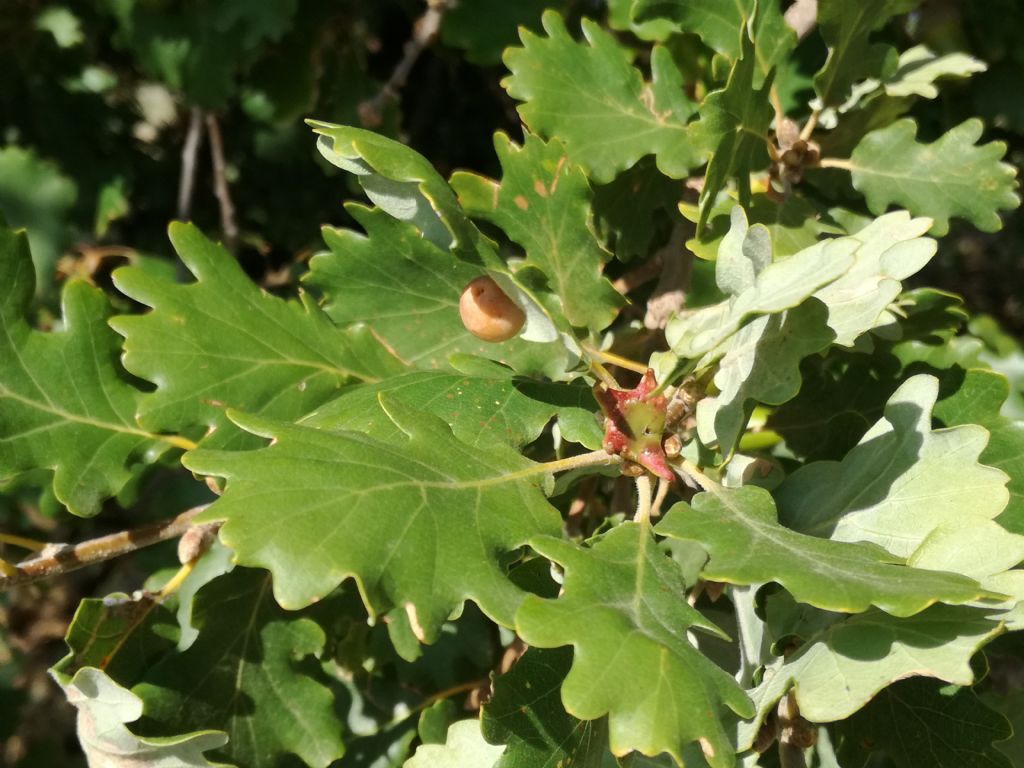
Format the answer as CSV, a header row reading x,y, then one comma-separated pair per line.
x,y
195,541
488,313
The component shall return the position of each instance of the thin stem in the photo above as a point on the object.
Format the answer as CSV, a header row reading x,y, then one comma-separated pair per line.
x,y
603,374
189,153
32,545
613,359
176,581
659,496
59,559
810,125
693,471
643,499
178,441
835,162
220,184
780,113
592,459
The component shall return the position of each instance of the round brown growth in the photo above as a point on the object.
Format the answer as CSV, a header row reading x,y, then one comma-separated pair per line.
x,y
488,313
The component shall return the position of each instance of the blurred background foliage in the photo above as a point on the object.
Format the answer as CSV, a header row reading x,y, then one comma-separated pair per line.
x,y
117,116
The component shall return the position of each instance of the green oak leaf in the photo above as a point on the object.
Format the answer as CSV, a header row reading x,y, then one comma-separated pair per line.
x,y
720,25
401,182
847,28
794,223
952,176
920,722
761,286
526,714
840,669
733,127
421,523
223,342
746,545
406,291
480,409
892,249
65,405
248,674
465,747
103,709
919,68
901,481
624,610
761,364
543,204
979,400
591,97
118,634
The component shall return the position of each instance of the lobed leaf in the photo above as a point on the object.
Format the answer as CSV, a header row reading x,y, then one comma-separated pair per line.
x,y
421,523
65,405
247,672
623,610
952,176
766,287
891,249
841,668
919,69
591,97
464,748
525,713
222,342
900,482
103,709
958,729
746,545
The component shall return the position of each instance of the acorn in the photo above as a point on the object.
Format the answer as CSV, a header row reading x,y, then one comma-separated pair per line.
x,y
488,313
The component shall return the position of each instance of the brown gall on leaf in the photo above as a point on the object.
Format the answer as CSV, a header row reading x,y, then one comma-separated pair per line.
x,y
634,424
488,313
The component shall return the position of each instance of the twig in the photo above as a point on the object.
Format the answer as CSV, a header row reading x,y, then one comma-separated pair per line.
x,y
424,32
58,559
189,153
220,184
